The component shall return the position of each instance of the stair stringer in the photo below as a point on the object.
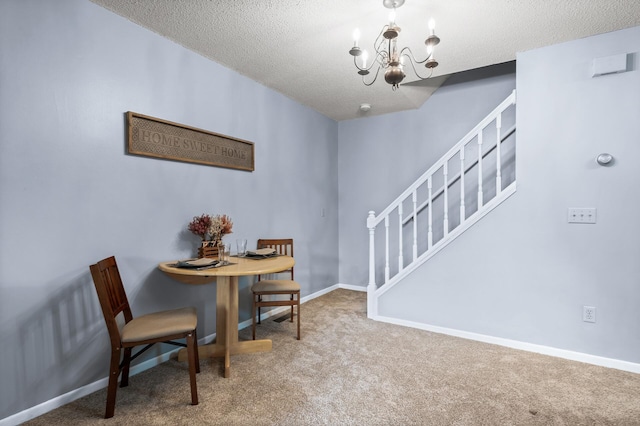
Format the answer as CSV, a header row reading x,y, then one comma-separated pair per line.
x,y
459,230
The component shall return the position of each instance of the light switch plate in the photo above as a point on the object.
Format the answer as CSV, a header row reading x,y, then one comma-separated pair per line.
x,y
581,215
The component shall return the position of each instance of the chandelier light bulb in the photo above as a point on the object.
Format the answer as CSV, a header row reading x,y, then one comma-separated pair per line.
x,y
356,37
432,26
392,18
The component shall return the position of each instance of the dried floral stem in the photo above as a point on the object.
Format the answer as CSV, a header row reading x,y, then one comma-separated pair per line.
x,y
216,226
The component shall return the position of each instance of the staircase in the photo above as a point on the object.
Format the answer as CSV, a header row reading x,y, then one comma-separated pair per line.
x,y
469,181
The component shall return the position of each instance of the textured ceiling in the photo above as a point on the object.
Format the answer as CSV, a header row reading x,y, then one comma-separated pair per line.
x,y
300,47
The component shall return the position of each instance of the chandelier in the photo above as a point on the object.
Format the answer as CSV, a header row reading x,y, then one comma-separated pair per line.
x,y
387,56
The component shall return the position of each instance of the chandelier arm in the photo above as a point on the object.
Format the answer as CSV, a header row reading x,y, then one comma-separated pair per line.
x,y
411,57
382,58
415,71
374,78
378,41
379,59
355,62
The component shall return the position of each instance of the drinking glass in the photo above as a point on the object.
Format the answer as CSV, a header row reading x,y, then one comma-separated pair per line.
x,y
242,247
222,249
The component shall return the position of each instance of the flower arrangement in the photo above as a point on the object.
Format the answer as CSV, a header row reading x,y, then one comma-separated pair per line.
x,y
200,225
211,227
221,225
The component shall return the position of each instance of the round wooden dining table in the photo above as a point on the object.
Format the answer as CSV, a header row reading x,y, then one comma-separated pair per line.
x,y
226,279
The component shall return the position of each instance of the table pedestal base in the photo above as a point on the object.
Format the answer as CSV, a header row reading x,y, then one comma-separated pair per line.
x,y
227,343
215,350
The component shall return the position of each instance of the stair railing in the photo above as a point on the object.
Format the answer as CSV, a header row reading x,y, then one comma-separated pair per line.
x,y
410,197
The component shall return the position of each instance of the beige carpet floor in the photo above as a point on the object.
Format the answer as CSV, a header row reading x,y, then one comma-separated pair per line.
x,y
349,370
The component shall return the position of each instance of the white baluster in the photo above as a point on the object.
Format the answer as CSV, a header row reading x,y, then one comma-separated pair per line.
x,y
462,206
430,232
400,251
415,225
371,288
445,172
386,249
498,155
480,195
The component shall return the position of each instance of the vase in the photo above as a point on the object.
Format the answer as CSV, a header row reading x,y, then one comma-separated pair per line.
x,y
209,247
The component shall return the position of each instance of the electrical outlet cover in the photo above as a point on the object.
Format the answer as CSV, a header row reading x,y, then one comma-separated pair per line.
x,y
588,314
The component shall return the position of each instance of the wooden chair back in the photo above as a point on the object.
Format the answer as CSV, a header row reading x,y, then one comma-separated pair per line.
x,y
282,246
275,287
112,296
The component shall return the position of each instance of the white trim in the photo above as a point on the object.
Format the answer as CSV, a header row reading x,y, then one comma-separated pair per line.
x,y
352,287
515,344
59,401
510,100
459,230
276,311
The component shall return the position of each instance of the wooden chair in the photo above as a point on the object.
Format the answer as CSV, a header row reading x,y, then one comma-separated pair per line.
x,y
164,326
275,288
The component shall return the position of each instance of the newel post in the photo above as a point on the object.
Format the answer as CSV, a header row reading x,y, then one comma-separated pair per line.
x,y
372,303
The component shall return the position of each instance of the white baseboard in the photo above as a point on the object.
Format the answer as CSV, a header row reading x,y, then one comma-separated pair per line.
x,y
515,344
351,287
59,401
305,299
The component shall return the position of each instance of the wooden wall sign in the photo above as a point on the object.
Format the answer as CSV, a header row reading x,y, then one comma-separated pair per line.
x,y
152,137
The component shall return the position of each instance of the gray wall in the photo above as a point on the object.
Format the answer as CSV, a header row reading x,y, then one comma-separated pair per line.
x,y
523,272
70,195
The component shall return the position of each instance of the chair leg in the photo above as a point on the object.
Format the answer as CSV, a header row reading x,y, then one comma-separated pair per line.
x,y
253,316
126,360
291,309
191,352
259,300
298,304
112,387
195,341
